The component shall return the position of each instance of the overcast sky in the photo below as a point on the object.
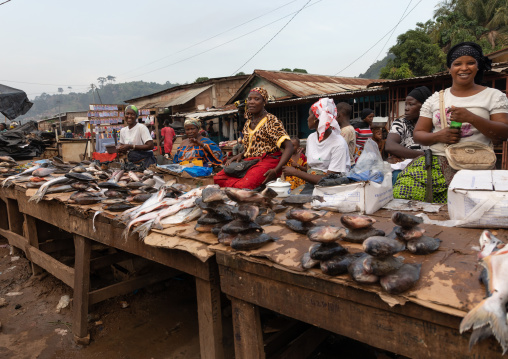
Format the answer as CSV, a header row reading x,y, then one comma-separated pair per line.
x,y
62,43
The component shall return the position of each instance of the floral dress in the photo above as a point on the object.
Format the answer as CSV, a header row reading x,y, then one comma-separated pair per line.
x,y
296,181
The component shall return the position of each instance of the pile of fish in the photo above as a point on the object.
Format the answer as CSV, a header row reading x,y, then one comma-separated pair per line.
x,y
489,317
408,231
359,228
236,216
299,219
376,264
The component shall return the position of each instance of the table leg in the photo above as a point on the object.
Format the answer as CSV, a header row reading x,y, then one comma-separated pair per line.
x,y
247,330
210,319
82,247
15,220
33,240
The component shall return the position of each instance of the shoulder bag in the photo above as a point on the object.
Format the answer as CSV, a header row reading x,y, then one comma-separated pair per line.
x,y
469,155
239,169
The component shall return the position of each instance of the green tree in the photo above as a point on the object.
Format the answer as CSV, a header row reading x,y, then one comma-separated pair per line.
x,y
285,69
241,73
102,81
416,49
302,71
201,79
111,79
396,73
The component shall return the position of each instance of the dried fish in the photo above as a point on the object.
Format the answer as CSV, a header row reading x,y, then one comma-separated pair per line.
x,y
359,274
326,251
117,207
423,245
307,261
409,234
379,246
213,195
239,226
27,172
37,197
300,199
212,218
298,226
382,266
402,279
184,216
406,221
359,235
133,176
226,238
339,264
43,172
265,219
246,212
142,197
357,221
250,241
113,194
326,234
85,177
305,215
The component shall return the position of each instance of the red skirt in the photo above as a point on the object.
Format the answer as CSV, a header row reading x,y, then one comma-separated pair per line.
x,y
254,177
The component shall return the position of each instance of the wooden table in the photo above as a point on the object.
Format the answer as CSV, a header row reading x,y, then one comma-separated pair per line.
x,y
20,223
416,328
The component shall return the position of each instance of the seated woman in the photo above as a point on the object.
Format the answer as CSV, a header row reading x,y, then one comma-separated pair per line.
x,y
263,137
363,130
327,151
482,111
197,149
400,144
136,139
298,161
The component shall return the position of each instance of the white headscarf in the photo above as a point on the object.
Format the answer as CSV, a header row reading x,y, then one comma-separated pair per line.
x,y
326,112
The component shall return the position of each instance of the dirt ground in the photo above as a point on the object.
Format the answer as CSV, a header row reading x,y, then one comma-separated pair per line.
x,y
158,322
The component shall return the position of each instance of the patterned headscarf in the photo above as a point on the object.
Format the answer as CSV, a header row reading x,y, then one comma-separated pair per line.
x,y
475,51
326,111
133,108
262,92
192,121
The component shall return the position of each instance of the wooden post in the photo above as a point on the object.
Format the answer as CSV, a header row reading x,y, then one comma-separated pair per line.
x,y
82,247
33,239
247,330
4,218
15,220
209,317
157,136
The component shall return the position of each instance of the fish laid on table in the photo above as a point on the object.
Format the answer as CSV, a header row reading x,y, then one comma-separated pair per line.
x,y
117,207
153,200
7,159
358,273
489,243
304,215
27,172
406,221
239,226
184,216
492,310
37,179
135,185
111,193
81,194
142,197
250,241
134,177
379,246
409,234
37,197
382,266
226,238
43,172
8,164
339,264
60,189
299,226
263,198
80,186
360,235
325,251
326,234
423,245
213,194
213,218
246,212
85,200
84,177
265,219
300,199
402,279
357,221
307,261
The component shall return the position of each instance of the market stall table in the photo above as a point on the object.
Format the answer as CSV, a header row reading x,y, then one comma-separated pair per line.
x,y
19,222
420,323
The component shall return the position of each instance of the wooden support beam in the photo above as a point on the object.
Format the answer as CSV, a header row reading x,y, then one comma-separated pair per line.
x,y
51,265
129,285
304,345
4,218
247,330
32,235
107,260
15,216
56,245
81,287
210,317
14,239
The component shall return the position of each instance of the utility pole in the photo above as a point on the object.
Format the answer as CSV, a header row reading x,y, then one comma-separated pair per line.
x,y
93,92
59,116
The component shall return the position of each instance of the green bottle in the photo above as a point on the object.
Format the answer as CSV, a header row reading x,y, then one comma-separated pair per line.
x,y
455,125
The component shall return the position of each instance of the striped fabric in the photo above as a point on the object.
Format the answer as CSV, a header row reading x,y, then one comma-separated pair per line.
x,y
362,135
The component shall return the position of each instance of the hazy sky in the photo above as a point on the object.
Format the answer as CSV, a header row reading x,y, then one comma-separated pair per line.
x,y
62,43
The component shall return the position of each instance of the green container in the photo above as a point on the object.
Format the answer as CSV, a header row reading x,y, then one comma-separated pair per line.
x,y
456,125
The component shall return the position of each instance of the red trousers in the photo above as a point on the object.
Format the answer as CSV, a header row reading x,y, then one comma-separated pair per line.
x,y
254,177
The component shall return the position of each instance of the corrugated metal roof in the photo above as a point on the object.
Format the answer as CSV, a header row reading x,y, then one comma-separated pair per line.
x,y
497,68
207,114
185,96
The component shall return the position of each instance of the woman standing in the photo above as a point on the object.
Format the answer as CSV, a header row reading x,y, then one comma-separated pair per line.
x,y
327,151
482,111
136,140
263,137
196,148
168,135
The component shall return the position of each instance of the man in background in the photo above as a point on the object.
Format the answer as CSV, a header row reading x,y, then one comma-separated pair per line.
x,y
346,129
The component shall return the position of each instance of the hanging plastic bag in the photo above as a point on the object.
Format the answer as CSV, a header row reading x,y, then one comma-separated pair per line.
x,y
370,166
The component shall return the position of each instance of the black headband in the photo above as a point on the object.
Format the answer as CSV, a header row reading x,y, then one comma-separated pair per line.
x,y
420,94
475,51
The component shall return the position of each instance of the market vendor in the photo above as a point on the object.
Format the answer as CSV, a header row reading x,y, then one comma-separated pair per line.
x,y
327,151
363,129
265,140
196,148
298,161
483,112
135,139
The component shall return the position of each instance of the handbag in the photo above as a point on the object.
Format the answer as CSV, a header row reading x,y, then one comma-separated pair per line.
x,y
239,169
471,155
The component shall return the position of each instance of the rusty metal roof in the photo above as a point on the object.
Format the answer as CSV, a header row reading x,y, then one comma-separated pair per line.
x,y
497,68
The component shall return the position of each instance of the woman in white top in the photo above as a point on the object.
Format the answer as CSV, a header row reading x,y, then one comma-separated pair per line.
x,y
136,139
327,151
482,111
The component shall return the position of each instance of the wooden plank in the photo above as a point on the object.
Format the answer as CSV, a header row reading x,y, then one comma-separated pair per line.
x,y
14,239
248,335
31,234
129,285
15,216
81,287
210,318
51,265
4,220
107,260
385,329
274,342
56,245
304,345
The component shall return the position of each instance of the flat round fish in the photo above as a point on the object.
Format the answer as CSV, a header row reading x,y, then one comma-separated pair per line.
x,y
247,242
356,221
406,221
304,215
325,251
84,177
402,279
298,226
326,234
359,235
423,245
382,266
379,246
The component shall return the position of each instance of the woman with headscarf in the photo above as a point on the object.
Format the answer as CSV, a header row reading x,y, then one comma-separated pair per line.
x,y
400,144
136,139
363,130
483,112
264,137
327,151
196,148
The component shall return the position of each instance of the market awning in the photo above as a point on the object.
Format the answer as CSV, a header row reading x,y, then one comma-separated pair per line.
x,y
207,114
13,102
186,96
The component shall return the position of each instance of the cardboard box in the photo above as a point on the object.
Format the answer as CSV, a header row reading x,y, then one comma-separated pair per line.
x,y
480,198
365,197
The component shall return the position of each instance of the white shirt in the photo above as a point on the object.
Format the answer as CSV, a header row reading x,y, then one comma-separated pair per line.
x,y
485,103
138,135
330,155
